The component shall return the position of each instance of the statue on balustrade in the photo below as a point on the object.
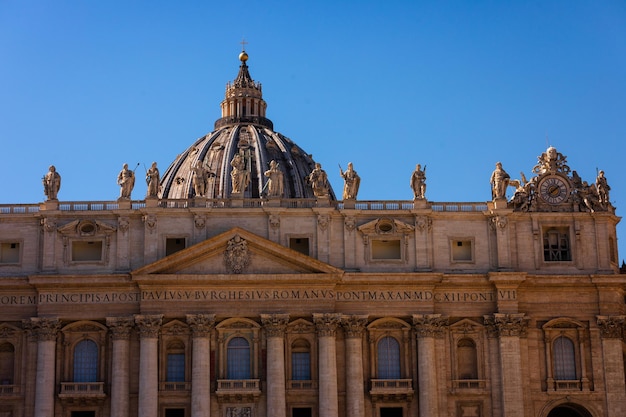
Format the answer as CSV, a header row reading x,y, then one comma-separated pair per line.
x,y
152,179
51,183
351,182
418,182
499,182
126,181
319,181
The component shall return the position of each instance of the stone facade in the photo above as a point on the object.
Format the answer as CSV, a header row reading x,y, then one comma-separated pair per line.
x,y
300,307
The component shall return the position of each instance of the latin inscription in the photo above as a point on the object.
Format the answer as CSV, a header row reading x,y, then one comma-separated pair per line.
x,y
260,295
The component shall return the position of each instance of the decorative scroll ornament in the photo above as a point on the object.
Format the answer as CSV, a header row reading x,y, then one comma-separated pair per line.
x,y
507,324
326,323
498,222
120,327
49,225
199,221
611,327
150,221
350,223
274,220
123,224
354,326
275,324
423,223
237,255
201,324
149,326
429,325
323,220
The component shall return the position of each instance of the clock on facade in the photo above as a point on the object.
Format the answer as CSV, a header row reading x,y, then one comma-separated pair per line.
x,y
553,189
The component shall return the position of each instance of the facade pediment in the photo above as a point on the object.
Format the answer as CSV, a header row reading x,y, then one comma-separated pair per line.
x,y
237,251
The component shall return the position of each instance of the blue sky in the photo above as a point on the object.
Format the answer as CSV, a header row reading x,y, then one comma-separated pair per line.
x,y
453,85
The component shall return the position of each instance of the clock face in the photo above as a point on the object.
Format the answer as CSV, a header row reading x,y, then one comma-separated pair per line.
x,y
553,190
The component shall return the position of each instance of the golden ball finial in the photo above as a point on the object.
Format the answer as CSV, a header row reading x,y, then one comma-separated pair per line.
x,y
243,56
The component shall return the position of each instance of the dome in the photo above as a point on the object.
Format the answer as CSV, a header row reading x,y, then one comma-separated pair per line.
x,y
243,141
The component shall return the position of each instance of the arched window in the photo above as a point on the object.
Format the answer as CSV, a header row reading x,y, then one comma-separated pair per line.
x,y
388,358
467,363
301,360
238,359
564,359
175,371
7,363
86,361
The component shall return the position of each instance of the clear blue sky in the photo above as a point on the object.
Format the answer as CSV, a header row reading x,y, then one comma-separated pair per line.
x,y
453,85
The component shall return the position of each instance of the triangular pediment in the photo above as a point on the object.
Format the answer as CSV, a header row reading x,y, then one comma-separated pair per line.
x,y
239,252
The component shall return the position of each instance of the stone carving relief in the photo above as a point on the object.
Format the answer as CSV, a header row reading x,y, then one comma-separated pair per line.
x,y
49,225
237,255
354,326
423,223
201,324
498,222
238,412
150,221
326,323
274,324
611,327
120,327
274,220
429,325
507,324
199,221
323,220
149,325
350,223
123,223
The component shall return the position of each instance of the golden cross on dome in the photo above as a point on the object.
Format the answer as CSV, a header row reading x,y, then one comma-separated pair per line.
x,y
243,44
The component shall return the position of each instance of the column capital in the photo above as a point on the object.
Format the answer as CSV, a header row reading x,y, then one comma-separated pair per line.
x,y
274,324
45,328
120,327
354,326
326,323
503,324
429,325
149,325
611,327
201,324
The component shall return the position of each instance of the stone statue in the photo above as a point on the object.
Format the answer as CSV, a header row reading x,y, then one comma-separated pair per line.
x,y
239,176
351,182
319,181
126,181
200,177
152,178
274,184
51,183
499,182
603,189
418,182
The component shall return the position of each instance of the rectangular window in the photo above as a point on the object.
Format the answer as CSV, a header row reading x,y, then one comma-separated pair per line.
x,y
462,251
87,251
299,244
9,253
300,366
386,249
174,244
175,367
556,245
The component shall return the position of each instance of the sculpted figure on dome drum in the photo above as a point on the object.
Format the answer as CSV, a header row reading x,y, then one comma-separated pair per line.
x,y
51,183
418,182
319,181
351,182
603,189
200,176
274,184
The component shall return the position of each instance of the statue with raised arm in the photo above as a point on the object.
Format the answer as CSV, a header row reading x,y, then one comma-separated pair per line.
x,y
274,185
319,181
51,183
418,182
199,176
152,178
240,177
603,189
126,181
499,182
351,182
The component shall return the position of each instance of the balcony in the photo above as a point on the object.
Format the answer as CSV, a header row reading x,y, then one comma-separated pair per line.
x,y
170,386
391,389
9,390
301,384
82,390
235,389
560,385
469,384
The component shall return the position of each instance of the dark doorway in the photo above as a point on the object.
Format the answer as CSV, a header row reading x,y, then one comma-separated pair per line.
x,y
301,412
569,410
83,414
174,412
390,411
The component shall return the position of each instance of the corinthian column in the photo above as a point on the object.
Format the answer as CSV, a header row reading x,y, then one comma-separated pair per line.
x,y
611,331
509,328
274,325
46,331
120,357
355,398
148,327
428,327
326,325
201,326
